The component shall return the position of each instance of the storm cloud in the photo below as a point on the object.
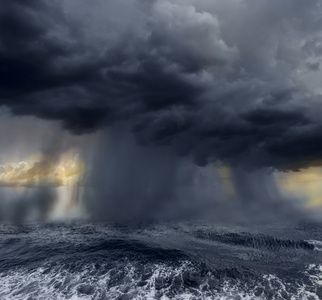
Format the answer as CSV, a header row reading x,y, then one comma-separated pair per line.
x,y
217,80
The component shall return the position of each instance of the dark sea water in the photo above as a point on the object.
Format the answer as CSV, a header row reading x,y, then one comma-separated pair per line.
x,y
176,260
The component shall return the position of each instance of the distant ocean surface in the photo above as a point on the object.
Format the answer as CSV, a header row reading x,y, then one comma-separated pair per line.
x,y
175,260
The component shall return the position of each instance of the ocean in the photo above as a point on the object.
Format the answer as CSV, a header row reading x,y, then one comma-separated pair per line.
x,y
161,260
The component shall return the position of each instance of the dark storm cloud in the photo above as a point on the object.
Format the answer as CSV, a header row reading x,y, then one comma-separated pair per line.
x,y
214,79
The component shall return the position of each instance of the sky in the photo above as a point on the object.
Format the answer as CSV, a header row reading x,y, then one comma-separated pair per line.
x,y
234,81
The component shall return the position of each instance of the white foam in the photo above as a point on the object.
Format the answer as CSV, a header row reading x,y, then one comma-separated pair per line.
x,y
317,244
162,282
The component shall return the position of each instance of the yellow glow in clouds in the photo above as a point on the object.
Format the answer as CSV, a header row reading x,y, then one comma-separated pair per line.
x,y
226,180
306,183
66,170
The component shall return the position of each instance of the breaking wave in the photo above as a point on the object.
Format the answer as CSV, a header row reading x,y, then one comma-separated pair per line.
x,y
134,280
160,262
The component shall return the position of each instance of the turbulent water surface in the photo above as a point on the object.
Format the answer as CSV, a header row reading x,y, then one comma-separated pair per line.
x,y
160,261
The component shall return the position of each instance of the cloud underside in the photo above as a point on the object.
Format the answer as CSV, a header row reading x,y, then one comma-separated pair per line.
x,y
211,79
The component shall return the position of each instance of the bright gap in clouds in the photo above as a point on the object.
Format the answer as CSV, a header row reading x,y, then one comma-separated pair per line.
x,y
304,184
42,169
36,170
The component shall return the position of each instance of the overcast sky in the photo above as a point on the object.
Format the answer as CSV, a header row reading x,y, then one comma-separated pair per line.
x,y
233,80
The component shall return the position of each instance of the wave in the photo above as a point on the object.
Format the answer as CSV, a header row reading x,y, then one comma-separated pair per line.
x,y
100,261
259,241
316,244
125,280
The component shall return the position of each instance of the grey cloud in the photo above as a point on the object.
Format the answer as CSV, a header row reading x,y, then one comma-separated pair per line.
x,y
313,66
213,79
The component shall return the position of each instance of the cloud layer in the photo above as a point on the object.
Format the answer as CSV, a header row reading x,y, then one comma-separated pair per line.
x,y
211,79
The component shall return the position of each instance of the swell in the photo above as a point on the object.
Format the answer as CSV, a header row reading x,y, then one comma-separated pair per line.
x,y
259,241
31,255
18,252
94,262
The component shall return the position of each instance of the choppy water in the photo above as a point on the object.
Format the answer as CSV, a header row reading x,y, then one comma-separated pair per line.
x,y
160,261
